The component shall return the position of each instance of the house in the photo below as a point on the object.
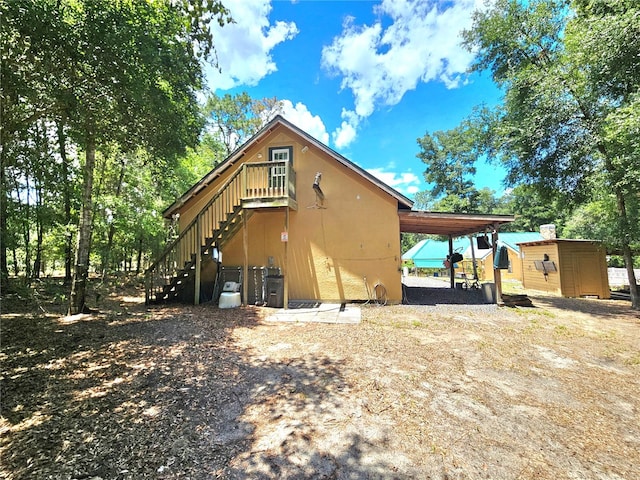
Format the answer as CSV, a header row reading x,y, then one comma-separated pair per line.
x,y
309,223
286,201
431,253
570,268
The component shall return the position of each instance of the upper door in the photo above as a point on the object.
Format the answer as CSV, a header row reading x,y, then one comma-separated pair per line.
x,y
277,173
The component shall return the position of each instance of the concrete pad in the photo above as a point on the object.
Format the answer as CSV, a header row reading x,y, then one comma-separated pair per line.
x,y
317,313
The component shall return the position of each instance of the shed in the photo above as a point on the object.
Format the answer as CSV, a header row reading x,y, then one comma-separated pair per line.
x,y
570,268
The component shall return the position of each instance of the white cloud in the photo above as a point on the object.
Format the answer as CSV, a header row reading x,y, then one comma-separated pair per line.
x,y
300,116
421,44
407,182
244,48
346,132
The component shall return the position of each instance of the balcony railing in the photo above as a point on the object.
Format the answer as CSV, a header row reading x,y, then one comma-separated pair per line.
x,y
269,180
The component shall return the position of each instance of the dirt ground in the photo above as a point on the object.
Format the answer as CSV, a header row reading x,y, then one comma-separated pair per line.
x,y
428,392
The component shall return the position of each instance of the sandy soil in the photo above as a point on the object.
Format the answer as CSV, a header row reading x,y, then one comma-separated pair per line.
x,y
437,391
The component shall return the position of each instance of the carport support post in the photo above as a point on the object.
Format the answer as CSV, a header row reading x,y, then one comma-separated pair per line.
x,y
473,258
452,270
497,273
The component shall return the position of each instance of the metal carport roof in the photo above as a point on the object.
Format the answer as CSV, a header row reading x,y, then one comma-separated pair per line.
x,y
453,224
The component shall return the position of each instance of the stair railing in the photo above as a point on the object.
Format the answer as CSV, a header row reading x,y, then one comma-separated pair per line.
x,y
265,180
185,251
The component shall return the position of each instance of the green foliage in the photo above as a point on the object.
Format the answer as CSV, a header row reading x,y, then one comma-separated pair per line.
x,y
232,119
451,158
568,123
120,77
450,163
531,210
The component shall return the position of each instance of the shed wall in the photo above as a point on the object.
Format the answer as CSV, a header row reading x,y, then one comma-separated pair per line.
x,y
535,279
584,270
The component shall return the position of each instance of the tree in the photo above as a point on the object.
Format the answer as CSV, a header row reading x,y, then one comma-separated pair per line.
x,y
531,210
110,71
571,85
451,158
234,118
450,169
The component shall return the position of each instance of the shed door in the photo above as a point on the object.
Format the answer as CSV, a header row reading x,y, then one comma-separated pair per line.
x,y
588,276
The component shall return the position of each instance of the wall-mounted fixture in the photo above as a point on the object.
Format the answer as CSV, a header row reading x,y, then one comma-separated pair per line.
x,y
305,149
545,266
316,186
259,155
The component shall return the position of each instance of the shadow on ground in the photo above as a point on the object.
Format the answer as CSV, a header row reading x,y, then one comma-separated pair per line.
x,y
441,296
165,394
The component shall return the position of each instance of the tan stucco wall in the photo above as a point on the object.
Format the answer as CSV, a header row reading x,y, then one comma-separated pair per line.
x,y
332,247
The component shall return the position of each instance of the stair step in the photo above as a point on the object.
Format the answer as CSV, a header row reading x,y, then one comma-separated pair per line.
x,y
227,228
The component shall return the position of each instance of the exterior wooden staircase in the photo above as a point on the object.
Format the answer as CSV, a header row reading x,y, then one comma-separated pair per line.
x,y
249,188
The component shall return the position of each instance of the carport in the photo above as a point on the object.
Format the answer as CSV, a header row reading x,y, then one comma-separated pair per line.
x,y
454,225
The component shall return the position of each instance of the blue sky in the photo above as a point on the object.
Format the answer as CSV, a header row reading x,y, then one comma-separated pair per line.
x,y
367,77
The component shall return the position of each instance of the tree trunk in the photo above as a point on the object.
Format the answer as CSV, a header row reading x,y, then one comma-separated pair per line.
x,y
37,263
4,269
139,259
633,286
26,229
24,213
68,248
112,227
626,250
83,245
16,270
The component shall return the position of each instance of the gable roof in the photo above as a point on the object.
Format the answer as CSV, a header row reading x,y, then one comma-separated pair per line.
x,y
409,254
231,160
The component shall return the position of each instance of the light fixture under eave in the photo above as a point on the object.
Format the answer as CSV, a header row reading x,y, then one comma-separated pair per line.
x,y
259,155
305,149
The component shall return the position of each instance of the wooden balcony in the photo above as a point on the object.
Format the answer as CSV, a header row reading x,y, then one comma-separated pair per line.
x,y
269,185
